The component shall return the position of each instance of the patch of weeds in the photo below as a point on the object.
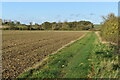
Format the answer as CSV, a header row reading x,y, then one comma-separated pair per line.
x,y
104,62
100,52
116,66
109,55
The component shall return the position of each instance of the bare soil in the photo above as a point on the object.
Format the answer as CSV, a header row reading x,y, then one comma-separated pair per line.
x,y
23,49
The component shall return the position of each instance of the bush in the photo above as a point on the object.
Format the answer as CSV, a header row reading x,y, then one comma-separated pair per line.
x,y
109,30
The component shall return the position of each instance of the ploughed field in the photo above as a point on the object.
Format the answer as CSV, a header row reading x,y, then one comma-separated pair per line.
x,y
23,49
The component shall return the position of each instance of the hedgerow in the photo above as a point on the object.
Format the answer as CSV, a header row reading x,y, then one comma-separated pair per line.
x,y
109,29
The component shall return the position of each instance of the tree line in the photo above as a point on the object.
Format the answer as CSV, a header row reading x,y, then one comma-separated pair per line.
x,y
76,25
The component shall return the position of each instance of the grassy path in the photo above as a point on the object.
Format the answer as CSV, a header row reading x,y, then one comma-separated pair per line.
x,y
70,62
78,66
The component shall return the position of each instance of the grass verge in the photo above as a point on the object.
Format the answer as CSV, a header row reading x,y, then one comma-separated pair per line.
x,y
104,62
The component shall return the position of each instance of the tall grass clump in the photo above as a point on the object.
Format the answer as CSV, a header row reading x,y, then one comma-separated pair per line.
x,y
104,62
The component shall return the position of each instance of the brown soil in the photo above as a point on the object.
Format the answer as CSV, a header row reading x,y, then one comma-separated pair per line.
x,y
23,49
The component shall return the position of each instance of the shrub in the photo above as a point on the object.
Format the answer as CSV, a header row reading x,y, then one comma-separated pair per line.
x,y
109,30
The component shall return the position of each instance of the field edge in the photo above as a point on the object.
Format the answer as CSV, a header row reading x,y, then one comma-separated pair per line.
x,y
44,61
